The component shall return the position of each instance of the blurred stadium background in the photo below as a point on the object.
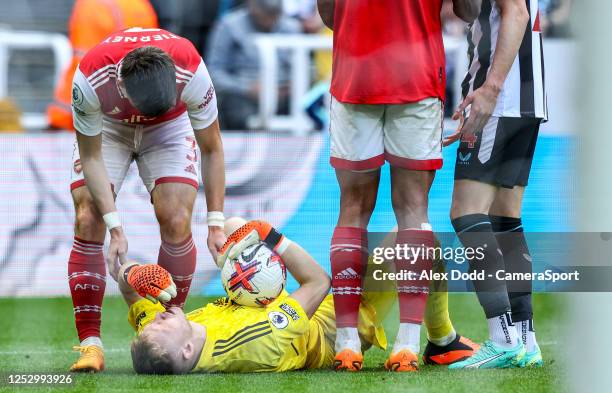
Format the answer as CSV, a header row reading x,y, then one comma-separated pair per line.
x,y
277,160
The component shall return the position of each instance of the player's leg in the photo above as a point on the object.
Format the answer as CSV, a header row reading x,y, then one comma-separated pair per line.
x,y
412,146
87,279
478,175
506,219
505,214
86,265
444,345
173,203
357,155
409,192
168,165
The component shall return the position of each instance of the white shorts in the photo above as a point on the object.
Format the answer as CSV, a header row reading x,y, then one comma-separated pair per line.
x,y
407,136
164,153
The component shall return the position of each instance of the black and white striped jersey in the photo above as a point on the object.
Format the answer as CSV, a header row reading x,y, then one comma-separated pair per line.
x,y
524,91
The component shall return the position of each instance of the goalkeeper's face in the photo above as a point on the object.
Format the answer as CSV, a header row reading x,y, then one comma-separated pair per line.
x,y
170,327
164,346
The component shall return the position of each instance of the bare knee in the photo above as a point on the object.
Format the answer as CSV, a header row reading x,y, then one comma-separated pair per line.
x,y
471,197
410,196
356,208
410,207
508,203
173,204
88,222
174,223
358,192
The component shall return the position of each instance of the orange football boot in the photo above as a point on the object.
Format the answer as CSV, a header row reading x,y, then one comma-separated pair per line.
x,y
404,360
460,349
348,360
91,359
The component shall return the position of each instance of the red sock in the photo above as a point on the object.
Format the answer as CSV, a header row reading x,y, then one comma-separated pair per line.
x,y
349,256
87,280
412,294
180,260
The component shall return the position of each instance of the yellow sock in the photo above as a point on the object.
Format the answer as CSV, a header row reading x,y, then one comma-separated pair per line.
x,y
440,330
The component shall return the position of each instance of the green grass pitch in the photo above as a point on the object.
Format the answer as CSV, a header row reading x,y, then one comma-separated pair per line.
x,y
36,335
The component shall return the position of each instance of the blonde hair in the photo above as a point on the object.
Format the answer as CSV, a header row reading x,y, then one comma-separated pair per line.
x,y
148,357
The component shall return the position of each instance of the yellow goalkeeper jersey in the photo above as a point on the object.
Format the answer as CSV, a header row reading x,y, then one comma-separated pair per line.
x,y
278,337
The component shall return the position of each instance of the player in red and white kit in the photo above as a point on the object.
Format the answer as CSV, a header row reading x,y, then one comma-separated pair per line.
x,y
141,95
388,89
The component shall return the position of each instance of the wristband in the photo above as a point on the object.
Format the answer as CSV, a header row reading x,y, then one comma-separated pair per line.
x,y
112,220
283,245
215,219
125,269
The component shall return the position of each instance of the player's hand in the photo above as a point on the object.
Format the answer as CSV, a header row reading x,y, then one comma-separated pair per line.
x,y
216,240
449,140
482,104
249,234
152,282
117,251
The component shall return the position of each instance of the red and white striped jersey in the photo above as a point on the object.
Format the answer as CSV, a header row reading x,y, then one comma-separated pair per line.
x,y
96,96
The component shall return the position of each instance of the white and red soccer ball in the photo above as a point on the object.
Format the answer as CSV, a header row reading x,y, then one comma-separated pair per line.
x,y
255,278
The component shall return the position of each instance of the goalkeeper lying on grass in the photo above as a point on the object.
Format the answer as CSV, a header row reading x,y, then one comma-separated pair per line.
x,y
294,332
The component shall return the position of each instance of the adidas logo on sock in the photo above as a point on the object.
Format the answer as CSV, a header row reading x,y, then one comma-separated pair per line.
x,y
347,274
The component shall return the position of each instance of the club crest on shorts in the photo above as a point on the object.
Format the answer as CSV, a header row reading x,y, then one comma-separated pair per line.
x,y
470,139
78,168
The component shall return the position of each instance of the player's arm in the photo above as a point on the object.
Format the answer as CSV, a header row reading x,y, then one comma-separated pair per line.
x,y
87,117
467,10
326,10
90,150
213,175
201,100
314,281
514,19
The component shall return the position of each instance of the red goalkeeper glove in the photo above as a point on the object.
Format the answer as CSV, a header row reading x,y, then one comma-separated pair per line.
x,y
150,281
249,234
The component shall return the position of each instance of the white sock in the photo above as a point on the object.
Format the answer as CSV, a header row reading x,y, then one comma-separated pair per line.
x,y
444,341
347,338
526,333
92,341
408,337
502,332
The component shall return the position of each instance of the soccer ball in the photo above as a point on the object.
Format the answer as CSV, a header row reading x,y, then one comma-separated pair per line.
x,y
255,277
